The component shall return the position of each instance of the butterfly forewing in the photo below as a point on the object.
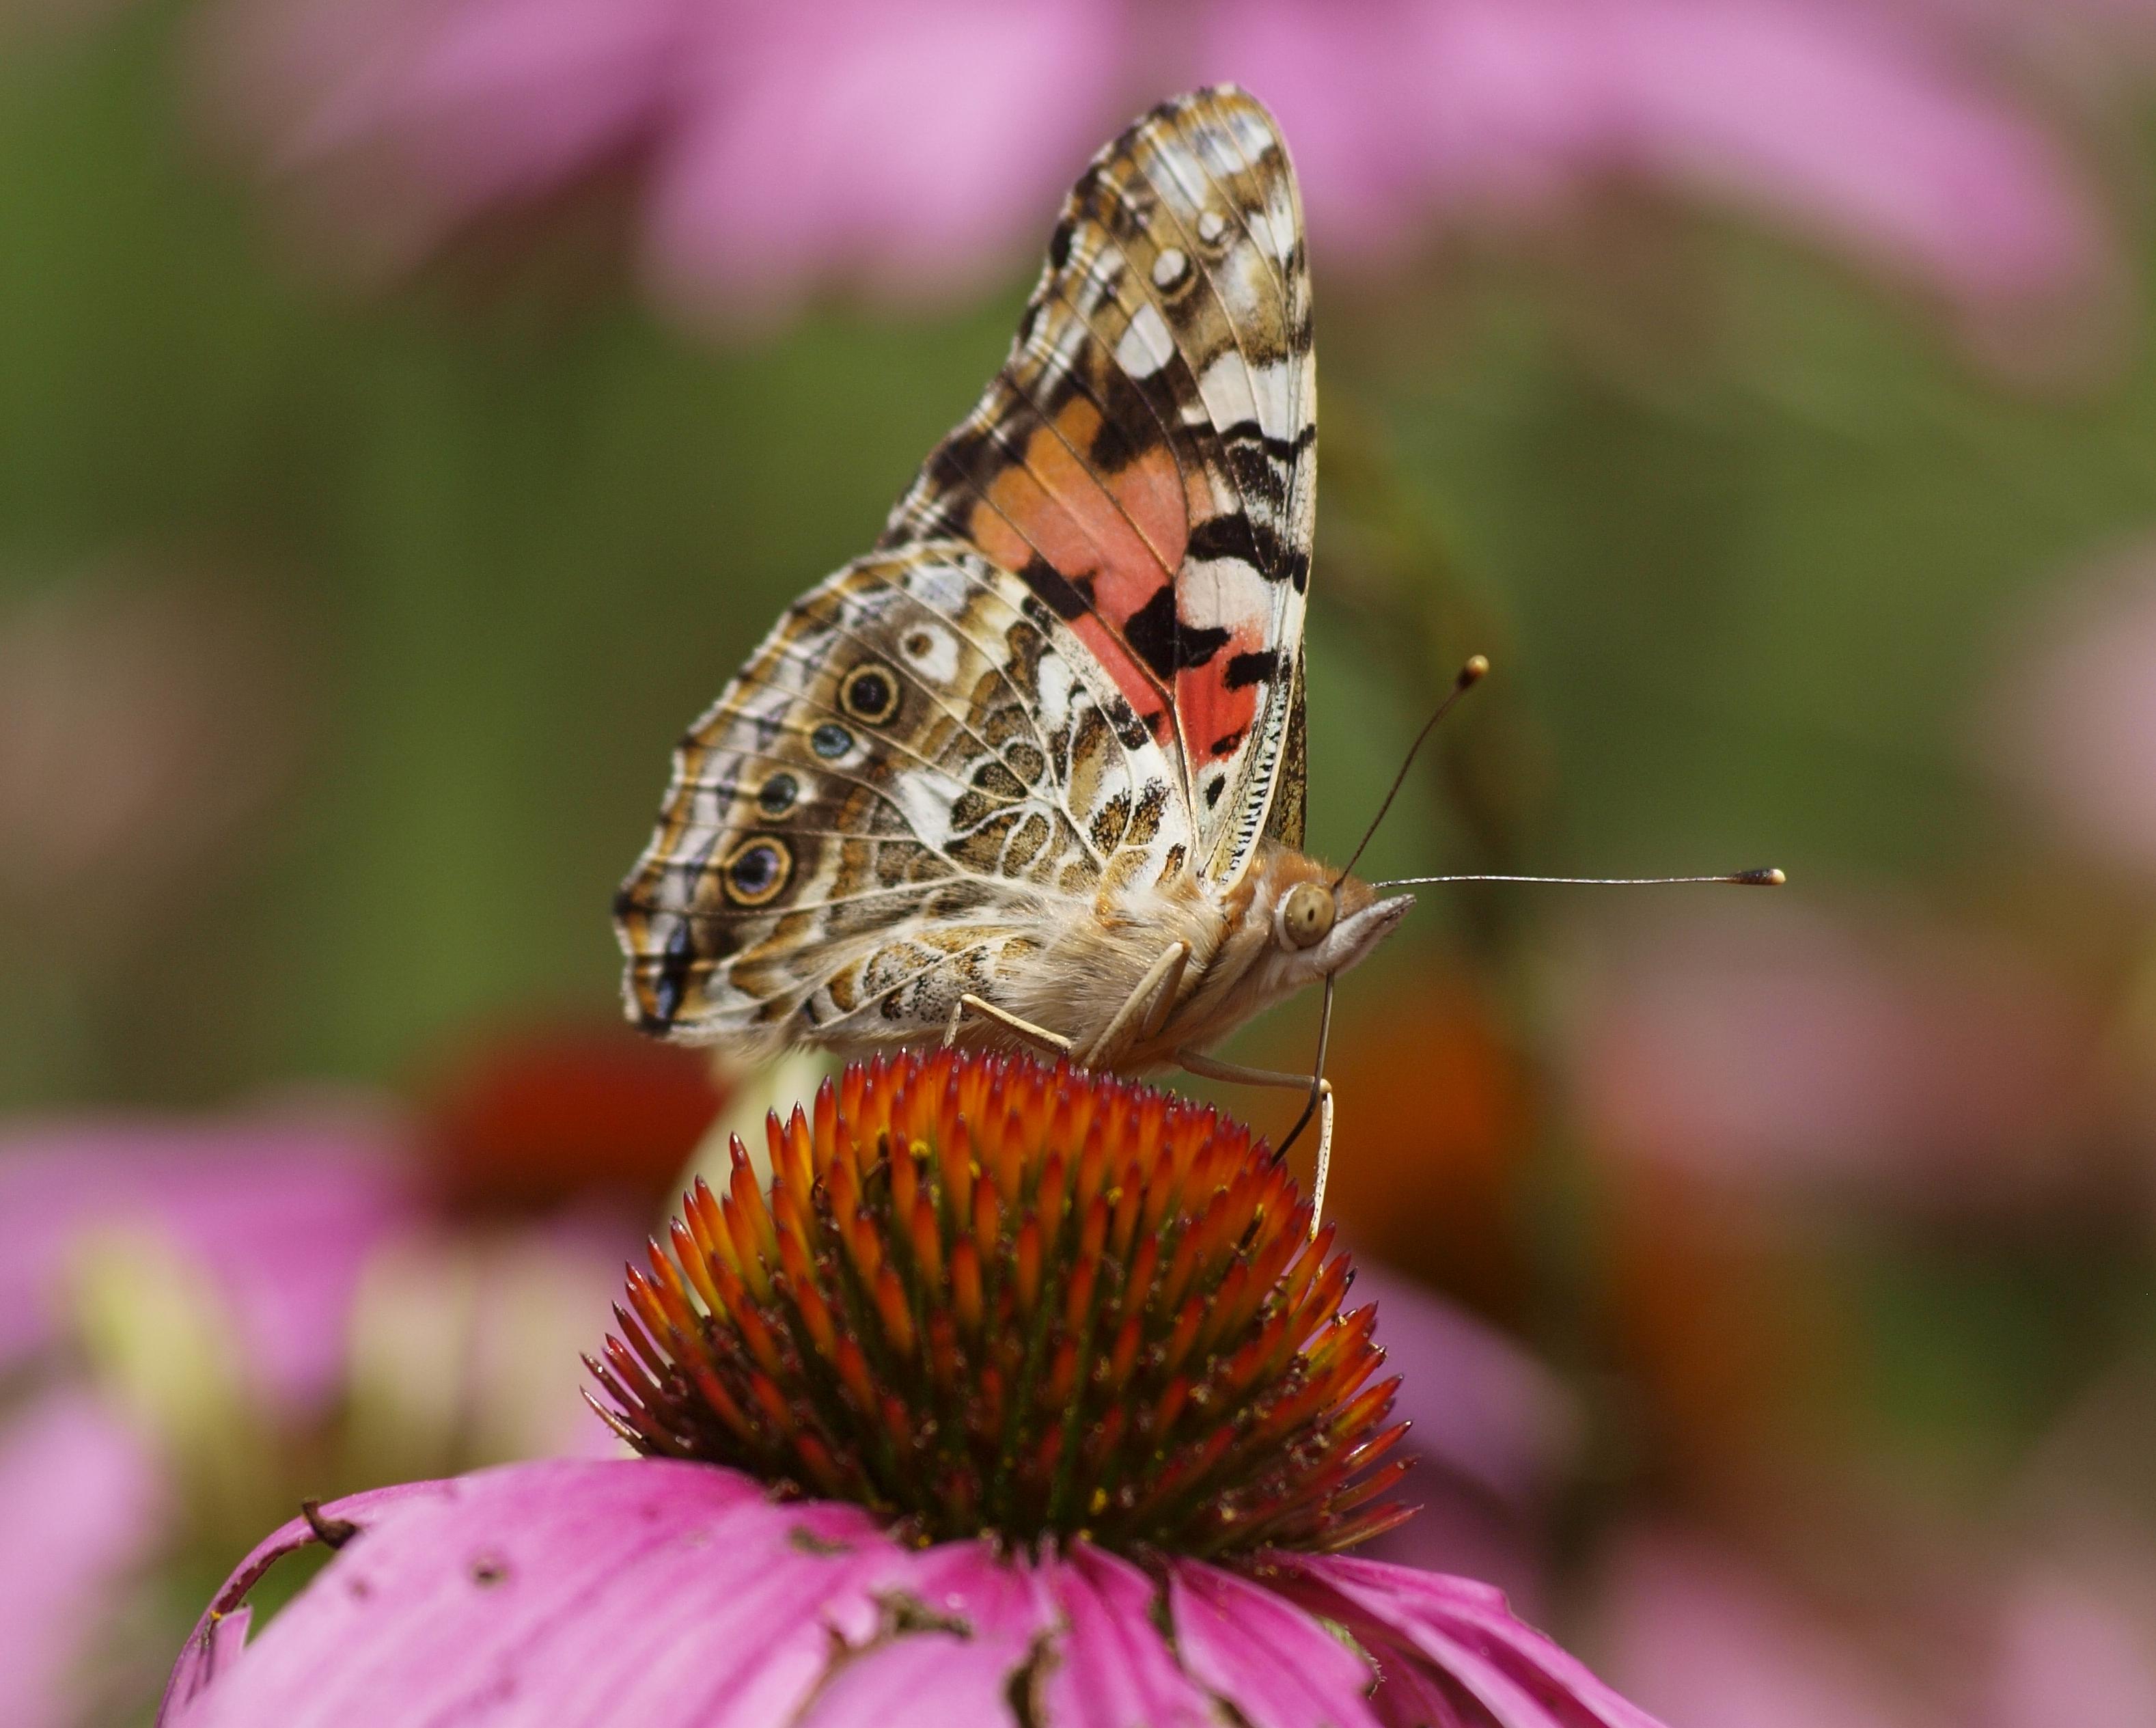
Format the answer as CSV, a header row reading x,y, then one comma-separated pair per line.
x,y
1071,675
1145,460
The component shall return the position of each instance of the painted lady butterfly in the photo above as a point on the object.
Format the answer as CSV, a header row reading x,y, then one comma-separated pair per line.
x,y
1033,769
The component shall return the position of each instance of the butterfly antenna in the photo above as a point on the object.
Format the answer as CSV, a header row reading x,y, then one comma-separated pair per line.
x,y
1470,676
1769,877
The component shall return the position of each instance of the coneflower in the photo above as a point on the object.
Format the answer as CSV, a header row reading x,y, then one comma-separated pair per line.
x,y
1020,1395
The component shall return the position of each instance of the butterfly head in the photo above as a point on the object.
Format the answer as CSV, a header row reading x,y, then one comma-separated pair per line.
x,y
1319,925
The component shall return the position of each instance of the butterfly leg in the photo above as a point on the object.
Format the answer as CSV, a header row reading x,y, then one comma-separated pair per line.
x,y
1025,1029
1146,1004
1207,1067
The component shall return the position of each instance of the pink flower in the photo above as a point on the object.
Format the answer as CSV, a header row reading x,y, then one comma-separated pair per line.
x,y
1780,1042
651,1593
277,1214
1854,122
2076,1642
82,1497
200,1321
1712,1642
1987,1638
1063,1367
2073,715
280,1209
765,152
1494,1435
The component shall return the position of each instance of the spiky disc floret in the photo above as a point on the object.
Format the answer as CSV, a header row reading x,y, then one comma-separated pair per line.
x,y
989,1295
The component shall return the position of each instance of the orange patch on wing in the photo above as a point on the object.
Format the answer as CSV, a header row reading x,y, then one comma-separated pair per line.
x,y
1214,718
1122,535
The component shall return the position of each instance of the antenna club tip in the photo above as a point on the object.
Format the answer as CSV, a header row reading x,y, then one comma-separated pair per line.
x,y
1477,665
1770,877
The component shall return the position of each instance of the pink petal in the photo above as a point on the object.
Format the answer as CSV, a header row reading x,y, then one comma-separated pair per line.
x,y
1274,1664
1483,1408
1711,1643
633,1592
648,1594
281,1211
1798,1042
81,1503
1850,120
1463,1631
934,1678
903,147
218,1640
2077,1649
1115,1669
416,117
1844,119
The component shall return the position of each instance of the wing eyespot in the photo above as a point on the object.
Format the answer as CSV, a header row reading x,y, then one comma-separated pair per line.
x,y
830,741
870,693
777,795
756,872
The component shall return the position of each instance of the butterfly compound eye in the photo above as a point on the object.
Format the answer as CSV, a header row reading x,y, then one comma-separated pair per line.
x,y
1306,914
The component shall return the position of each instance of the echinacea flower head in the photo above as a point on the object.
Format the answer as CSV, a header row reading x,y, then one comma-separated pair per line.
x,y
1018,1396
997,1296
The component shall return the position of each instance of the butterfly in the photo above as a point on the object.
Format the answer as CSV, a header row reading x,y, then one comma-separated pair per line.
x,y
1033,770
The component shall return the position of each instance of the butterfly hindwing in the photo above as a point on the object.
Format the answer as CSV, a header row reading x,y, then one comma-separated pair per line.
x,y
909,788
1145,460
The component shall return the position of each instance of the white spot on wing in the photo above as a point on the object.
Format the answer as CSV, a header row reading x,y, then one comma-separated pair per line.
x,y
934,653
1226,592
1274,386
1226,385
941,588
1168,268
1146,347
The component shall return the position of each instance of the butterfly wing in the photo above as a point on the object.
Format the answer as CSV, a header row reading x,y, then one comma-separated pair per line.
x,y
1072,673
1145,461
908,791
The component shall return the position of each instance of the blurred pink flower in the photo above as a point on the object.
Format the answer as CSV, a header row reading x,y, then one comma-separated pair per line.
x,y
652,1592
1850,120
1780,1041
79,1490
2073,717
201,1322
766,150
899,149
1494,1433
1702,1636
1483,1408
2003,1638
2078,1643
278,1213
895,147
281,1210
